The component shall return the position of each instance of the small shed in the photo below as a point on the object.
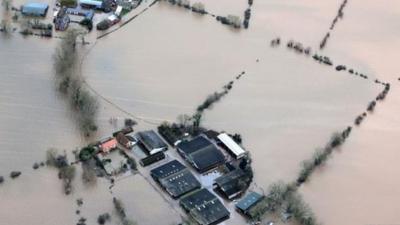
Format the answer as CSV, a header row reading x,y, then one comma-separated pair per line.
x,y
35,9
231,145
248,202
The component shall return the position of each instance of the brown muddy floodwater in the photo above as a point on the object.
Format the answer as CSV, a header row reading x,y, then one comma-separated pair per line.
x,y
165,62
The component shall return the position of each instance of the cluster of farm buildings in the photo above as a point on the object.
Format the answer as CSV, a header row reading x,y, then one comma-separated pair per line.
x,y
181,173
81,12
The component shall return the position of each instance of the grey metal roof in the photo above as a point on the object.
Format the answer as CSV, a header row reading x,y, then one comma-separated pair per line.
x,y
205,207
194,145
180,183
232,183
175,178
167,169
35,9
249,201
202,153
207,158
151,140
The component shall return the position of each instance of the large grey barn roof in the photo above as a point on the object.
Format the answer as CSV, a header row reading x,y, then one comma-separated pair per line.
x,y
202,153
191,146
180,183
205,207
167,169
151,140
207,158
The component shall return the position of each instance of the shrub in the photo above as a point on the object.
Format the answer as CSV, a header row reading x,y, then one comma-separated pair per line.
x,y
7,4
5,27
119,208
103,218
199,7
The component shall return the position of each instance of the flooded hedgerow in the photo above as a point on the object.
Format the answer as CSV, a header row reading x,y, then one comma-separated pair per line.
x,y
284,201
338,16
69,83
120,211
66,171
321,155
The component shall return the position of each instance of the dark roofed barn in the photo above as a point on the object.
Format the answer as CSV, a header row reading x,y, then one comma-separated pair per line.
x,y
152,159
197,143
232,184
175,178
205,207
201,153
152,142
167,169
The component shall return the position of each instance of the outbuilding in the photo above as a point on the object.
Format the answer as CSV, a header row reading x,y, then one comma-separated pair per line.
x,y
237,151
152,159
232,184
248,202
152,142
35,9
93,4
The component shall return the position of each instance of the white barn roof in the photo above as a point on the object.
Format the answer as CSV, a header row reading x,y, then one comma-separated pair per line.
x,y
231,145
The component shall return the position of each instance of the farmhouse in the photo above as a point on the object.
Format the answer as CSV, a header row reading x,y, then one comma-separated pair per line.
x,y
204,207
152,142
233,148
232,184
108,145
248,202
175,178
35,9
201,153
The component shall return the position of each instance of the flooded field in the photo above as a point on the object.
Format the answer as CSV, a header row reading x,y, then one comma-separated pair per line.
x,y
165,63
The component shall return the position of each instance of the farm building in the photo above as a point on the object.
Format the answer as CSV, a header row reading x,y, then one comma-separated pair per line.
x,y
232,184
152,159
61,20
92,4
152,142
233,148
248,202
201,153
204,207
124,141
108,145
35,9
175,178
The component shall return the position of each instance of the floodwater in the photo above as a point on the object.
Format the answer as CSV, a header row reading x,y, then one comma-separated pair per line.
x,y
165,62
